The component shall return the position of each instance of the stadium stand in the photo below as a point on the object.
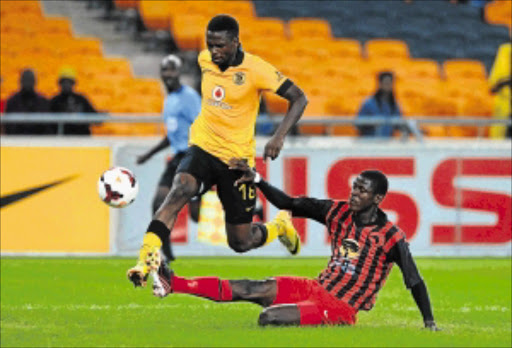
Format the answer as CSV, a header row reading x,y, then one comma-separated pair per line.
x,y
440,53
45,44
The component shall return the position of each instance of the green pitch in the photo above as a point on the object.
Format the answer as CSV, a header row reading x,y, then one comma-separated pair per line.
x,y
89,302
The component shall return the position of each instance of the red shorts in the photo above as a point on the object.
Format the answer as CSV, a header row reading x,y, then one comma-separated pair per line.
x,y
316,305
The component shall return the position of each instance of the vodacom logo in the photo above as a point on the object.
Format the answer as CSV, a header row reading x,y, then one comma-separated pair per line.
x,y
218,93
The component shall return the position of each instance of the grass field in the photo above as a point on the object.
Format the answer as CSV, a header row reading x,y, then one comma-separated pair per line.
x,y
89,302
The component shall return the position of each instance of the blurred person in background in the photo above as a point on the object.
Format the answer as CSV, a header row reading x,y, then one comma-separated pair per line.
x,y
27,100
181,107
67,101
500,84
381,104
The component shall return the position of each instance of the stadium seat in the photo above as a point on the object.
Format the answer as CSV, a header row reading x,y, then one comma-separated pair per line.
x,y
311,28
268,28
238,9
381,48
188,31
156,14
314,48
344,48
126,4
464,69
499,13
25,7
423,68
315,109
56,25
275,104
82,46
144,86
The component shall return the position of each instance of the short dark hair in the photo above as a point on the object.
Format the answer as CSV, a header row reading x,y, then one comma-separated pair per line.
x,y
224,23
378,179
383,74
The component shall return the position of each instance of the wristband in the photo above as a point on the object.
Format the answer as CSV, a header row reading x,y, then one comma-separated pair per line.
x,y
257,178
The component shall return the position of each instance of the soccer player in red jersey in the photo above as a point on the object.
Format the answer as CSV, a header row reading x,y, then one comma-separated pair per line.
x,y
364,246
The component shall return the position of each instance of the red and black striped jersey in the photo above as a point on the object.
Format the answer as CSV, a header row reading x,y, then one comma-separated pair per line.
x,y
360,256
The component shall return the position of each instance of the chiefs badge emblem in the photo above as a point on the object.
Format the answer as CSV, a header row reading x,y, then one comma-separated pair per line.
x,y
239,78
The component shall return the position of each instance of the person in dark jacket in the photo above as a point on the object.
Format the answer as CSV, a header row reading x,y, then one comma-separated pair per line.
x,y
69,101
27,100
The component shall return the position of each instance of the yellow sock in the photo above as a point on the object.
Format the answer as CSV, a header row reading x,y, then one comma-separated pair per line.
x,y
272,231
150,241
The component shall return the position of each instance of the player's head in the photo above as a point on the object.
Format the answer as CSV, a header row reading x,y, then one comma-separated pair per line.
x,y
222,39
27,80
67,78
385,79
369,188
170,70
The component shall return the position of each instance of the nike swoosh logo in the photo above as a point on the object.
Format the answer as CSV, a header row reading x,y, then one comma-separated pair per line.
x,y
18,196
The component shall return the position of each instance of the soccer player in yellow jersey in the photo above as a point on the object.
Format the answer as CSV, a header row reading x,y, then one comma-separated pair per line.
x,y
232,82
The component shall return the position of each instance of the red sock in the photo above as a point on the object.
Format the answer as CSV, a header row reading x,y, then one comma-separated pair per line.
x,y
210,287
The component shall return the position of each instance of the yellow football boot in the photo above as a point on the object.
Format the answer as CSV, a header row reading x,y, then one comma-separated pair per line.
x,y
287,234
149,260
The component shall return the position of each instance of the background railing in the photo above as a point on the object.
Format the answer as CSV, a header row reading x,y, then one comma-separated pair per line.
x,y
409,125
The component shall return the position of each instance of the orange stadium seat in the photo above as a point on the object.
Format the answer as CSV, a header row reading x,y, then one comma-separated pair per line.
x,y
144,86
117,66
24,7
477,106
269,28
423,68
82,46
56,25
382,48
12,24
344,48
464,69
314,48
189,30
312,28
126,4
237,8
156,14
316,108
499,13
275,104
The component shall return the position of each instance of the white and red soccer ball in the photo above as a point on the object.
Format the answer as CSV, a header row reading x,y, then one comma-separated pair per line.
x,y
118,187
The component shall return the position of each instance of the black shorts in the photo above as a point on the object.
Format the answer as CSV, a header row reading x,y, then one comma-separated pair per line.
x,y
238,201
170,170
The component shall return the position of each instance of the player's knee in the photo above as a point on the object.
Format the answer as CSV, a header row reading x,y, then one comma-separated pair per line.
x,y
268,317
183,187
239,245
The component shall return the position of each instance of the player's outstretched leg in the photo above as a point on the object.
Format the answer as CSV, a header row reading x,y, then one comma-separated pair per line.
x,y
262,292
184,187
244,237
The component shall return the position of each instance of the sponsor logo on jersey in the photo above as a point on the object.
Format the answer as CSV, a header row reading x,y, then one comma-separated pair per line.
x,y
218,94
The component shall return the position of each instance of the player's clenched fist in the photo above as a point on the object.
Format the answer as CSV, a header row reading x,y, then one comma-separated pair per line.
x,y
273,147
242,165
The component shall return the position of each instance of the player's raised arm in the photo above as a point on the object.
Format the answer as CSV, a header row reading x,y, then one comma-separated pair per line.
x,y
306,207
297,103
157,148
401,255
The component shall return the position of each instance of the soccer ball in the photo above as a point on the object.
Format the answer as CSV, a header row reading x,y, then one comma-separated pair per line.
x,y
118,187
